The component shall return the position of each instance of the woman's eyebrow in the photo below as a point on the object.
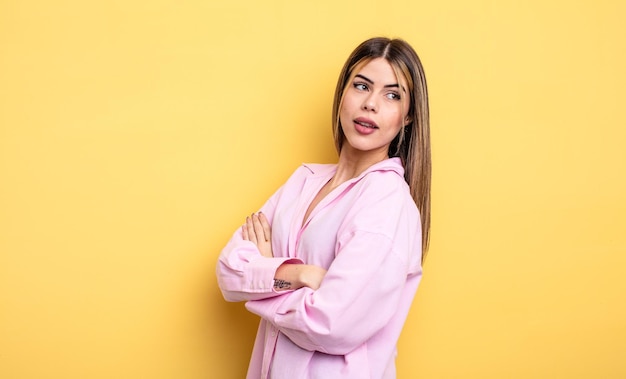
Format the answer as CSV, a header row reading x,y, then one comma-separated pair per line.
x,y
370,81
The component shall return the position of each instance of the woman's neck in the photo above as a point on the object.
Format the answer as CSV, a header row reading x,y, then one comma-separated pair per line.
x,y
353,162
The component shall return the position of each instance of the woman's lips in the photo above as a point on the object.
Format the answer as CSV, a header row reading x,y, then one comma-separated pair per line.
x,y
365,125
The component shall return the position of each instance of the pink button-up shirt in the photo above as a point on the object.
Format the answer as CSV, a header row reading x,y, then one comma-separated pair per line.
x,y
367,234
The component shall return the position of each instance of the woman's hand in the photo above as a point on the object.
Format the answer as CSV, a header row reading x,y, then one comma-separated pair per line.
x,y
258,230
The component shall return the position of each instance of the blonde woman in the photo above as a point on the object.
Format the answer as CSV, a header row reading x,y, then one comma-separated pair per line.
x,y
332,261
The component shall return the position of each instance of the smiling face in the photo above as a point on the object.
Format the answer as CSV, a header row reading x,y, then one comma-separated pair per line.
x,y
374,109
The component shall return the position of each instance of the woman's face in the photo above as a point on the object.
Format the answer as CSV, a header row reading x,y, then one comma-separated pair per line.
x,y
374,108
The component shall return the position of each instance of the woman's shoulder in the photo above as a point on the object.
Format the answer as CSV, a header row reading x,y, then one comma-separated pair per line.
x,y
384,190
386,176
319,168
388,166
309,170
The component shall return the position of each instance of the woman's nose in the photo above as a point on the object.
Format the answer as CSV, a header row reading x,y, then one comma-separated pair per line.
x,y
369,104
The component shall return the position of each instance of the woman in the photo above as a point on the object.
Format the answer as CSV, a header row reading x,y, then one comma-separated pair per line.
x,y
332,261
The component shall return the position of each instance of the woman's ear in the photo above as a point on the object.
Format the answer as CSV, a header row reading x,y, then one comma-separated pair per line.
x,y
407,120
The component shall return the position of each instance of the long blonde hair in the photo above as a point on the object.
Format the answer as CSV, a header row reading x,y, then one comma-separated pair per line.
x,y
412,144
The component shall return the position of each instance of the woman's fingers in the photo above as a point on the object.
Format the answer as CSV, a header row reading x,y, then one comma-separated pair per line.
x,y
267,229
250,228
244,232
259,230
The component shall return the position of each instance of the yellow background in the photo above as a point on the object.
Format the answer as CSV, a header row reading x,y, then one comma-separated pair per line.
x,y
136,136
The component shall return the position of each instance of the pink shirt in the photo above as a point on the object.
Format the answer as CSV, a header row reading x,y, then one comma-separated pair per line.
x,y
367,234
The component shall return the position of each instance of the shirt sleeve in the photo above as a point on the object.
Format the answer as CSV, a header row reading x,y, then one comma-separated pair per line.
x,y
357,298
243,273
376,265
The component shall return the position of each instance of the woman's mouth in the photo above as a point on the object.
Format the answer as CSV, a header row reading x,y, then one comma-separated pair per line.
x,y
365,126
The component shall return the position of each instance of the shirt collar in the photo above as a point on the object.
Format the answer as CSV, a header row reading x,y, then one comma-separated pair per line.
x,y
390,164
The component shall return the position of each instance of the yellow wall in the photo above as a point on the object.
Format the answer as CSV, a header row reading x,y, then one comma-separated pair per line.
x,y
136,136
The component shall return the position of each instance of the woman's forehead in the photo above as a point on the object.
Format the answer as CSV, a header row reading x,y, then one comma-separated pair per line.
x,y
382,69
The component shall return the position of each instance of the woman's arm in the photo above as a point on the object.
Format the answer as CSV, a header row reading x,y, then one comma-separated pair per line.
x,y
247,269
244,270
294,276
374,276
289,276
358,296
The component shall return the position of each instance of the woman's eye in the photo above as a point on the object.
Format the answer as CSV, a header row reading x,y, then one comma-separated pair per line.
x,y
393,96
360,86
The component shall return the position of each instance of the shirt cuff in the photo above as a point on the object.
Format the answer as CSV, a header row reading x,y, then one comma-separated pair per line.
x,y
260,277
